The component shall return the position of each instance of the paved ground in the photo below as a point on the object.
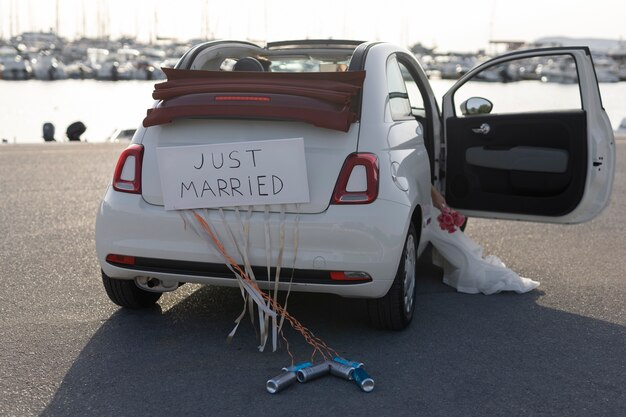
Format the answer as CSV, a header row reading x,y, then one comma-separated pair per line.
x,y
65,350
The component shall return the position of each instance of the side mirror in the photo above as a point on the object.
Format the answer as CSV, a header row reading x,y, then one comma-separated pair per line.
x,y
476,105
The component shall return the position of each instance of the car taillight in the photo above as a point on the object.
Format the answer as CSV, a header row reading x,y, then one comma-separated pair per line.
x,y
358,180
349,276
120,259
127,177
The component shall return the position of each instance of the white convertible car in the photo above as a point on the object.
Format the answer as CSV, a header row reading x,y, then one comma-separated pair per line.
x,y
312,163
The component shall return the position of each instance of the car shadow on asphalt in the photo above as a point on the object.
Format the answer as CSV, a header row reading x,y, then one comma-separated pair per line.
x,y
504,354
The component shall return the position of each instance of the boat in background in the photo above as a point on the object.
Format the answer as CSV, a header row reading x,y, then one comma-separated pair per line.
x,y
607,70
47,67
15,67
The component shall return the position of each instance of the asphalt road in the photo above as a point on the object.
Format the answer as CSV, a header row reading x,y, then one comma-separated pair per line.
x,y
65,350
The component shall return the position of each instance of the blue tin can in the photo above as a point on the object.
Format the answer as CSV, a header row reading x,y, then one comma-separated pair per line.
x,y
363,380
348,363
297,367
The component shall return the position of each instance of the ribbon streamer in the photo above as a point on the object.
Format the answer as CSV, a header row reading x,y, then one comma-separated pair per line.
x,y
268,306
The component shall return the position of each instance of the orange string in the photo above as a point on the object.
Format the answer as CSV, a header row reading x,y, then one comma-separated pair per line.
x,y
317,344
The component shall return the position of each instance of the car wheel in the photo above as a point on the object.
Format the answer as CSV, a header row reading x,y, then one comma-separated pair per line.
x,y
125,293
395,310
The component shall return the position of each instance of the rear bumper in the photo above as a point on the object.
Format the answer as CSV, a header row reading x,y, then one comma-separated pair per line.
x,y
364,238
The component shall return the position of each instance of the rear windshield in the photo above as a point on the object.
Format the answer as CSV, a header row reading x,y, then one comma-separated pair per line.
x,y
223,56
302,64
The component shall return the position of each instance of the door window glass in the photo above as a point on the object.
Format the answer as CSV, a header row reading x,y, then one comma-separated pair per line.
x,y
541,84
398,96
415,97
405,98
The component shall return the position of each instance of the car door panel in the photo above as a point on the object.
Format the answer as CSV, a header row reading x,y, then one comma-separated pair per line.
x,y
546,165
480,175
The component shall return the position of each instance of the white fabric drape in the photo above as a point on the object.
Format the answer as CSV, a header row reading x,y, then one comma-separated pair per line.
x,y
468,270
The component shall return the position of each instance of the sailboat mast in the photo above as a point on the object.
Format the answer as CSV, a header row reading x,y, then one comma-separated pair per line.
x,y
56,20
155,26
205,16
15,18
11,19
84,20
99,19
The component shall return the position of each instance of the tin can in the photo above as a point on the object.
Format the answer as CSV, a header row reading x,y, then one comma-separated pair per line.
x,y
311,372
347,362
280,382
341,370
363,380
297,367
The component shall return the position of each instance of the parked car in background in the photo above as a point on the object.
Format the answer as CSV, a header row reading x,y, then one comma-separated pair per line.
x,y
121,135
345,157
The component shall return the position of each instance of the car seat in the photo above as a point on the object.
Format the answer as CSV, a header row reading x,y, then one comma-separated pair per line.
x,y
248,64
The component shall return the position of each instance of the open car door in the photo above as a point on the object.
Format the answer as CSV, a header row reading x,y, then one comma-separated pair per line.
x,y
542,151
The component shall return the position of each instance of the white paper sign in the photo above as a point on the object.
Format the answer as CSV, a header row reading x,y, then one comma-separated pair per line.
x,y
233,174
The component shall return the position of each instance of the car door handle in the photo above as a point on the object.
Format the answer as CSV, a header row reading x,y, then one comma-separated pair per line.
x,y
483,129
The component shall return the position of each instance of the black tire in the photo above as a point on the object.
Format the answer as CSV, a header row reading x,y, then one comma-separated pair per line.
x,y
125,293
395,310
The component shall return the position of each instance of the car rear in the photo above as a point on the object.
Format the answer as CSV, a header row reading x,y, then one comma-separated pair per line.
x,y
343,240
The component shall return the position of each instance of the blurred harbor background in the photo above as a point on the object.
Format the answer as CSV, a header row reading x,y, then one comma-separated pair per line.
x,y
106,107
96,61
107,84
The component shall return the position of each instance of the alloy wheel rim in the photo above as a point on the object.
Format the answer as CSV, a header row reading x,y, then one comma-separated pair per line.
x,y
409,274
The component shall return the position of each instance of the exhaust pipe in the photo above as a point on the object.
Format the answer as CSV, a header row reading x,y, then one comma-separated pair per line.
x,y
153,284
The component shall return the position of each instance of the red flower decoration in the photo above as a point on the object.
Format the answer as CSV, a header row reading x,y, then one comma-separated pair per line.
x,y
450,220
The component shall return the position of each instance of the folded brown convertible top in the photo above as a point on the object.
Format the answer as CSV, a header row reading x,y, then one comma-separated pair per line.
x,y
324,99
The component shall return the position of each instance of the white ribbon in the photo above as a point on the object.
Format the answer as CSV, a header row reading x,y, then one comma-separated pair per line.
x,y
265,310
241,242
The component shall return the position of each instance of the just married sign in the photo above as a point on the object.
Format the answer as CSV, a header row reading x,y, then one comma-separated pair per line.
x,y
233,174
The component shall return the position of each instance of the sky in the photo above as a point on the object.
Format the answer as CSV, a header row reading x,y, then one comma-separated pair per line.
x,y
448,25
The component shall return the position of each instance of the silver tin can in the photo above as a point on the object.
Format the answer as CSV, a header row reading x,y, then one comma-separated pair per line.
x,y
312,372
341,370
280,382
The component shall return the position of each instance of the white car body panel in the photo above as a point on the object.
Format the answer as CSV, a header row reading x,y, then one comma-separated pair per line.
x,y
366,241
